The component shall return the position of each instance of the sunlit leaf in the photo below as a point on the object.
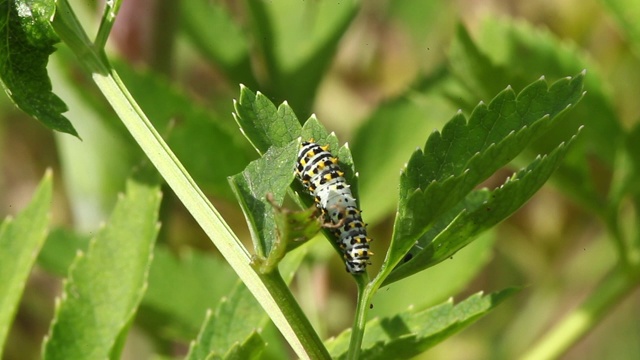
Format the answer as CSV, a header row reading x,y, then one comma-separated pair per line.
x,y
480,210
106,284
465,153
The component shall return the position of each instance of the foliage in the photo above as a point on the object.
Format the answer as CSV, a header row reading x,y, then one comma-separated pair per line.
x,y
530,109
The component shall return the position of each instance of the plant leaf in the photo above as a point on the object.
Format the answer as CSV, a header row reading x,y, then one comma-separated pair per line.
x,y
466,153
181,286
497,55
20,240
106,284
262,124
271,174
250,349
28,41
413,332
479,211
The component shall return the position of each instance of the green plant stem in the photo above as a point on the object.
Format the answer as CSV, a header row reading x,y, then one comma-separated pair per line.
x,y
281,312
366,290
573,327
108,18
295,316
360,319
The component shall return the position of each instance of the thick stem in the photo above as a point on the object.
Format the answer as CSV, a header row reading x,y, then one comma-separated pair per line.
x,y
294,315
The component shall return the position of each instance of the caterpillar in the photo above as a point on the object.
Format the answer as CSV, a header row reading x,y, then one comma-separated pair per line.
x,y
320,174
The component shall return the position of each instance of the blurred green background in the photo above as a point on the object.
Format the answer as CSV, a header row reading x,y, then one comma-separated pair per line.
x,y
391,77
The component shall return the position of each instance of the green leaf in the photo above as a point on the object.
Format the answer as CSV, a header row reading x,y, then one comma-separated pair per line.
x,y
480,210
262,124
271,174
298,40
219,38
250,349
466,153
106,284
512,52
20,240
181,289
237,317
413,332
28,41
626,13
209,149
